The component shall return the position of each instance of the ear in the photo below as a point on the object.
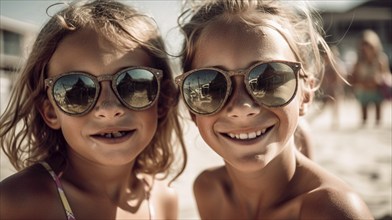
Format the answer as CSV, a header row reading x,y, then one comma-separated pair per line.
x,y
307,98
306,101
49,115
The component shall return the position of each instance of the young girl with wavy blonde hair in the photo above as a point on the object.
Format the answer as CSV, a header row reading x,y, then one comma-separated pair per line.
x,y
92,121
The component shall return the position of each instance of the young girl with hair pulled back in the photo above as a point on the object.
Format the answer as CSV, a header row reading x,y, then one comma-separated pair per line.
x,y
250,70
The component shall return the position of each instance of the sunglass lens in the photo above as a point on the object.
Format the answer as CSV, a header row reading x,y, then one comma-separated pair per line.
x,y
138,88
204,91
272,84
74,93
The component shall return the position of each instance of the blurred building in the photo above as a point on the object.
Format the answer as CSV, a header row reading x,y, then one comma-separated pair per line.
x,y
16,38
344,25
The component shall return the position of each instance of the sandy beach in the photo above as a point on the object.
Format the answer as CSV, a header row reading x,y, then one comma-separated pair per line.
x,y
360,155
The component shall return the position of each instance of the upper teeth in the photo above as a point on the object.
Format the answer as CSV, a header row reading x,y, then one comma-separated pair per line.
x,y
249,135
115,134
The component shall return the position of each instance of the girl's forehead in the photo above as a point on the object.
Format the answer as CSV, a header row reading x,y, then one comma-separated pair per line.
x,y
236,27
87,51
89,36
236,41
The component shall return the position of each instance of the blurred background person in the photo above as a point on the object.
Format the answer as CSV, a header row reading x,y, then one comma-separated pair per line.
x,y
370,74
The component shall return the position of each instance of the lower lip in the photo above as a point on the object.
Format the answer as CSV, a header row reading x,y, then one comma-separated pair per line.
x,y
117,140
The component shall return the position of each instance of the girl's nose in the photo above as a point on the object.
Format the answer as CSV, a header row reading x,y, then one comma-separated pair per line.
x,y
108,106
240,104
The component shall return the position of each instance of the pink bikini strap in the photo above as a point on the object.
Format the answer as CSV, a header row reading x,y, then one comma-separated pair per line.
x,y
64,201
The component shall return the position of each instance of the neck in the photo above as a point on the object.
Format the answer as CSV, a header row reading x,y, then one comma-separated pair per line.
x,y
267,186
107,181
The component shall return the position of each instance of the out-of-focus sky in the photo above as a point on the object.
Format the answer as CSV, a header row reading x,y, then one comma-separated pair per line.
x,y
165,12
33,11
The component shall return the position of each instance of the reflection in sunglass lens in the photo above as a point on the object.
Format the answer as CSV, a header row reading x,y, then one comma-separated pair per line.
x,y
137,88
74,93
204,90
272,84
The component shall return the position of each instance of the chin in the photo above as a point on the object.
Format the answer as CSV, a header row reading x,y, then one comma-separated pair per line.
x,y
249,164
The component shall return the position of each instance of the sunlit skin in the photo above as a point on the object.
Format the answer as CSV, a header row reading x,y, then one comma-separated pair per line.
x,y
264,177
98,180
80,52
241,113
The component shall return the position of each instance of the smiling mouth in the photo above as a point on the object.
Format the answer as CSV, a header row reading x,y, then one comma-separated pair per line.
x,y
116,134
250,135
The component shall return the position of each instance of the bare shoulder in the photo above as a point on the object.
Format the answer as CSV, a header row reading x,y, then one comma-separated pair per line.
x,y
26,194
165,200
210,188
328,197
210,180
334,203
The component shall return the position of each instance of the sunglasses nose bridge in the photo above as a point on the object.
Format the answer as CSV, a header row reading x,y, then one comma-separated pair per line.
x,y
107,103
240,73
106,77
103,78
239,94
240,104
106,91
236,73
